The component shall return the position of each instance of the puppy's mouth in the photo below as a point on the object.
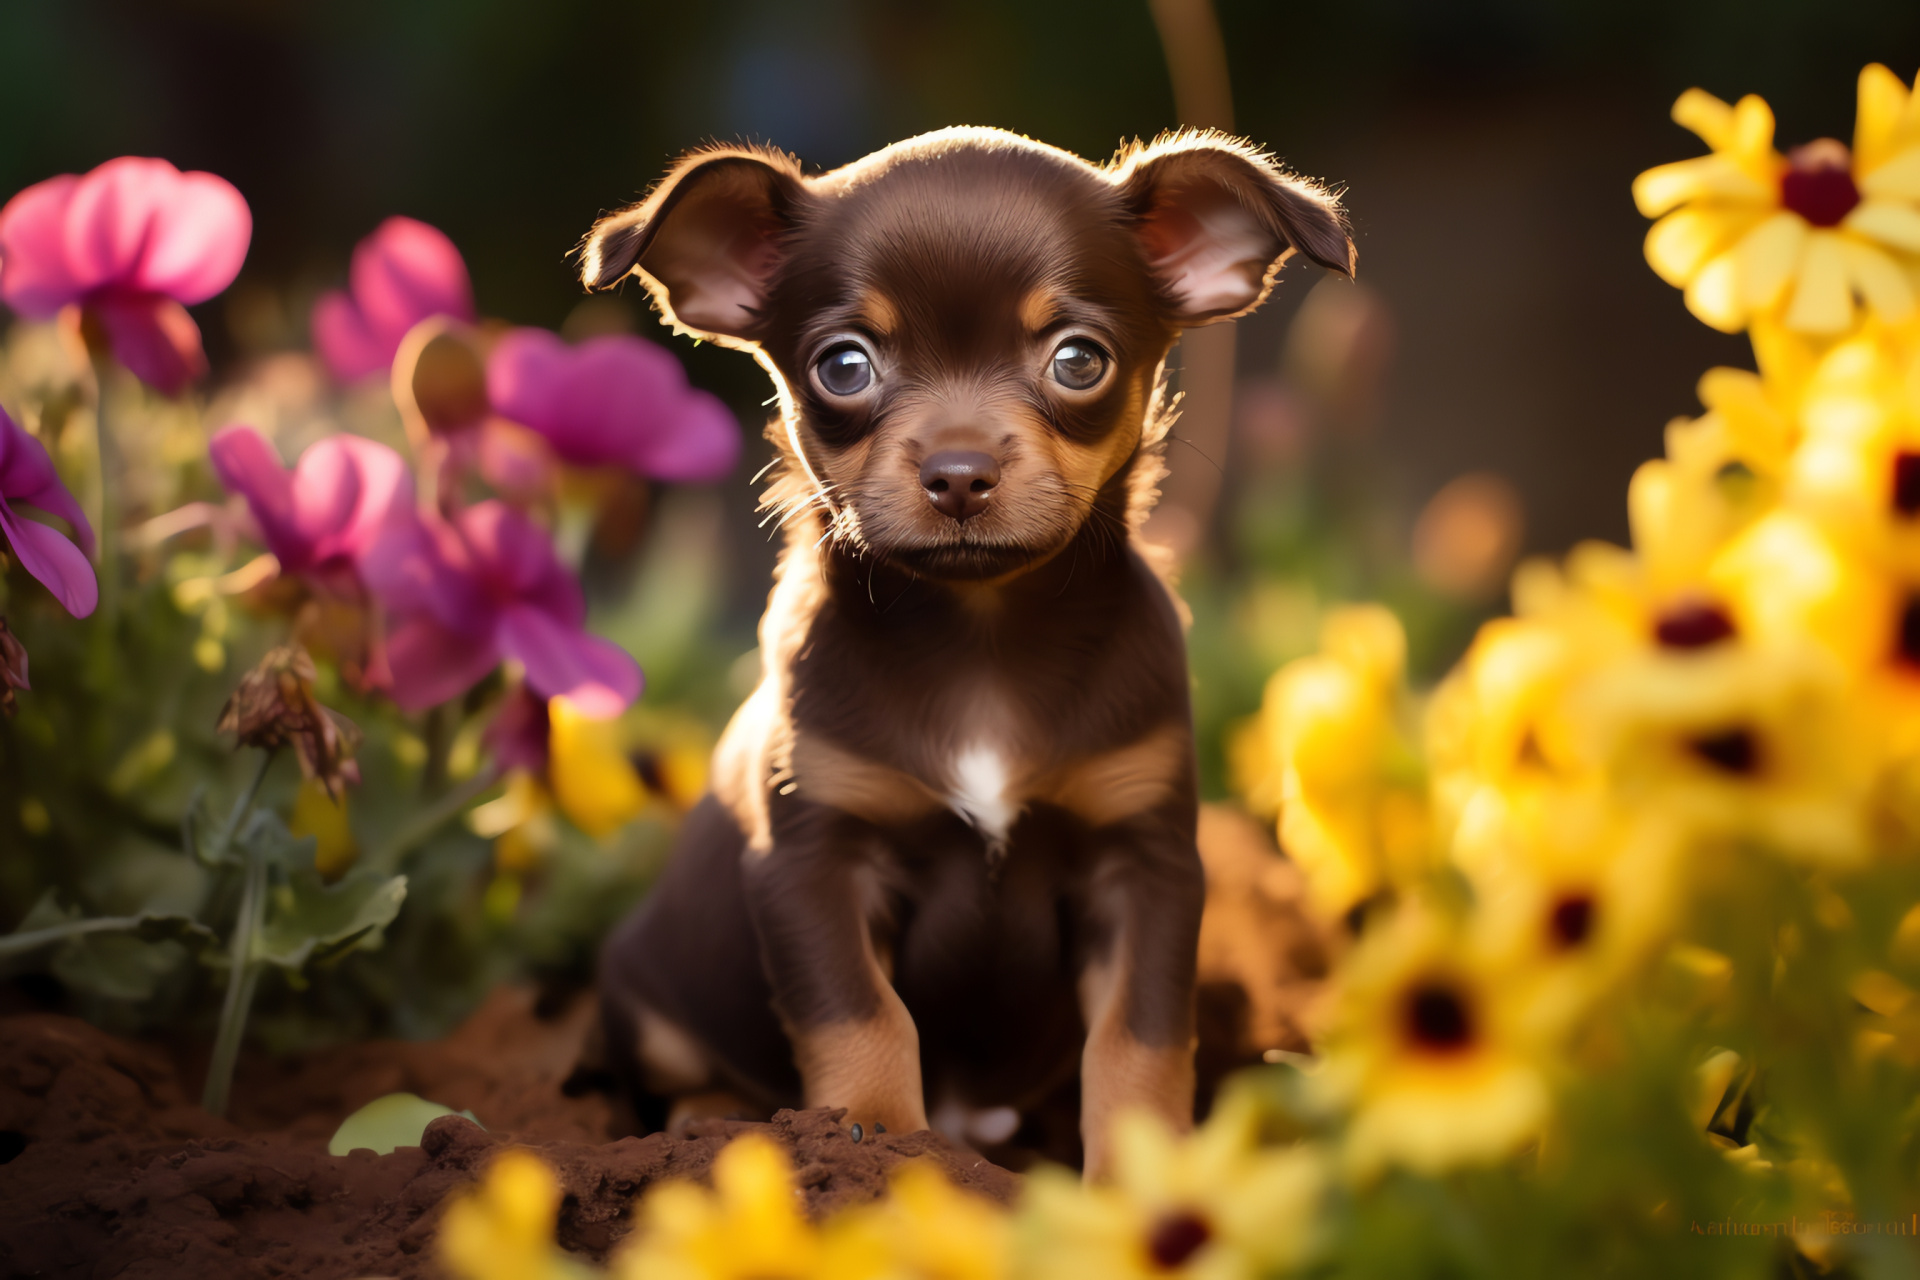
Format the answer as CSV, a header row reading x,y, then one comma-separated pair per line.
x,y
966,561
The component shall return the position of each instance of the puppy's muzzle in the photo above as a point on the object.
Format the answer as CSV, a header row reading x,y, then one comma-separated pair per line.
x,y
959,482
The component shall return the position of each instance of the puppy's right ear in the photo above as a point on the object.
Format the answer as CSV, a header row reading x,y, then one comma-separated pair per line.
x,y
706,242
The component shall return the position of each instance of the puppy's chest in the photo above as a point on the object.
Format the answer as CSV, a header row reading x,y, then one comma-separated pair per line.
x,y
987,760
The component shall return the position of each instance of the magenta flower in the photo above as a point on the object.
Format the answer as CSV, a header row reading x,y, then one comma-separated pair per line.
x,y
134,242
403,273
325,514
613,399
483,586
27,477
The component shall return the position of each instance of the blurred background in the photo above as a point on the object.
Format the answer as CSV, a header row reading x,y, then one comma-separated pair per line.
x,y
1483,391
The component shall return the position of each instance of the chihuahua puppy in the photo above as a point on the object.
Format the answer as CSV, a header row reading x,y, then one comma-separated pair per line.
x,y
948,857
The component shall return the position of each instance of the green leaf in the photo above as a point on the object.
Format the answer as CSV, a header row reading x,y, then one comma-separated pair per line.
x,y
266,837
310,920
396,1120
116,966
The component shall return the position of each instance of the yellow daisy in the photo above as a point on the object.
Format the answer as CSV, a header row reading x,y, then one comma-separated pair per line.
x,y
1337,763
593,781
503,1229
928,1229
1811,235
1214,1205
750,1226
1428,1050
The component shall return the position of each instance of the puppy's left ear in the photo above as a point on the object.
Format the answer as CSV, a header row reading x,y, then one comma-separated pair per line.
x,y
1217,218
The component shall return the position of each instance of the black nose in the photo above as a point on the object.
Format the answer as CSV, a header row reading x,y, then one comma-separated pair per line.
x,y
959,482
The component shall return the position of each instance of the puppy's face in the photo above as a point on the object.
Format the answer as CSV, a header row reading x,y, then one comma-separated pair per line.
x,y
968,327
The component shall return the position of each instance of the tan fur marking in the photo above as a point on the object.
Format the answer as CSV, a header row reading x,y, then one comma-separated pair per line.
x,y
833,776
670,1060
1038,308
879,312
1118,1073
870,1067
1107,788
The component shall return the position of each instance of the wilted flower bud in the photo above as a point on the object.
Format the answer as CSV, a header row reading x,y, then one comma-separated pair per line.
x,y
13,668
274,707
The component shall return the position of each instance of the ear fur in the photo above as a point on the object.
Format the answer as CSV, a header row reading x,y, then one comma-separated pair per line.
x,y
705,241
1217,218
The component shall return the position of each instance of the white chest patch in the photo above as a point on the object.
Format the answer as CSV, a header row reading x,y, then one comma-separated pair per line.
x,y
980,792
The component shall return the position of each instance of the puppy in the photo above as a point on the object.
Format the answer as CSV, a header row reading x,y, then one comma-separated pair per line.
x,y
948,855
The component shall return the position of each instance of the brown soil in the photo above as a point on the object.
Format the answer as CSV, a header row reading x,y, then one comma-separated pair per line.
x,y
108,1169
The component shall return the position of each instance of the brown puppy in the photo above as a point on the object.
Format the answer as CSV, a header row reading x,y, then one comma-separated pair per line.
x,y
949,851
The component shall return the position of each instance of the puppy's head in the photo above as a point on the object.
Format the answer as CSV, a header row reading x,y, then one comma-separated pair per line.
x,y
966,328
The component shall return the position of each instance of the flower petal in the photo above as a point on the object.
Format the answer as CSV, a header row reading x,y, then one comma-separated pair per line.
x,y
703,444
1822,302
516,557
198,239
404,272
46,554
596,675
1764,259
340,334
111,218
1706,116
247,465
1879,280
34,277
27,476
1715,177
1892,222
1714,295
1897,179
1682,241
432,663
1882,100
154,337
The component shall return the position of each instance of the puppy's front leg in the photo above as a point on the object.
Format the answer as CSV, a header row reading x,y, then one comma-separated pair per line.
x,y
813,900
1136,985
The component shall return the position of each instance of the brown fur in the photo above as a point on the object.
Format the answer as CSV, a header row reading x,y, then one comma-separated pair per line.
x,y
949,857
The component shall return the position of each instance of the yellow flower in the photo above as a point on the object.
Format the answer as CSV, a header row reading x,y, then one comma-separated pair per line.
x,y
1722,470
519,822
750,1226
1352,813
1428,1050
1572,895
1747,231
320,815
928,1229
503,1229
1211,1206
592,778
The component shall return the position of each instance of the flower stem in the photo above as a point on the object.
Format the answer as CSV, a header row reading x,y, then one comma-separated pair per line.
x,y
109,531
242,973
432,818
19,943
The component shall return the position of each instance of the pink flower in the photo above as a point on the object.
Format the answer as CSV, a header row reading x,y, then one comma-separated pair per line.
x,y
403,273
27,477
483,586
613,399
325,514
134,242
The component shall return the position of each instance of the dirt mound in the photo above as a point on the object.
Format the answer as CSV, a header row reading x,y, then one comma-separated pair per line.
x,y
113,1172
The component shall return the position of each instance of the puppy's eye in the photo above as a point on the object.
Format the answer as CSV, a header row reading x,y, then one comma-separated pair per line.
x,y
845,370
1078,365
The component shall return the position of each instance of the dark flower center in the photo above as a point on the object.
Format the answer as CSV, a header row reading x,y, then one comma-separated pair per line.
x,y
1906,483
1907,645
1177,1237
1735,750
1693,624
1818,184
1570,923
1438,1018
1735,479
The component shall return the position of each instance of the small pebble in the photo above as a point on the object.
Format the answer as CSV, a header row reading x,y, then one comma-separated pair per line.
x,y
879,1129
858,1133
